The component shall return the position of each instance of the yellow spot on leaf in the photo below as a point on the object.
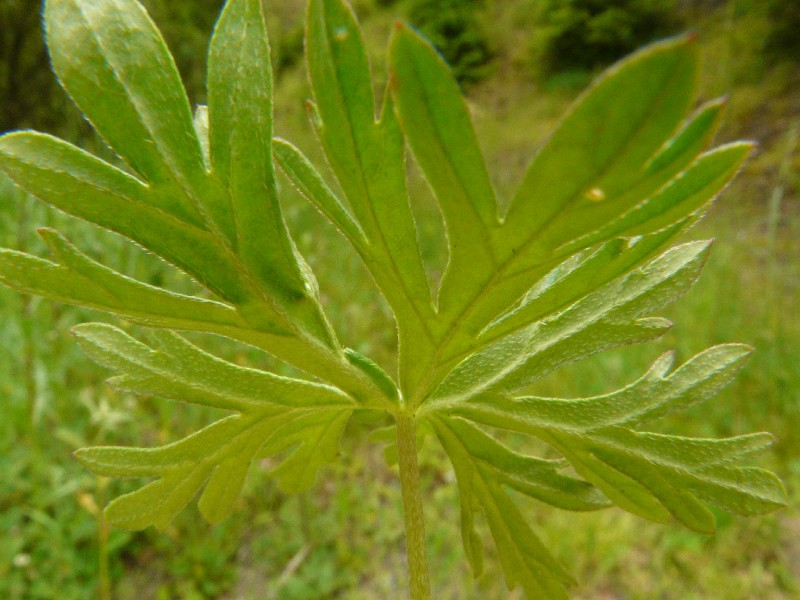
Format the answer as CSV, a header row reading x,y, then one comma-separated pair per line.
x,y
596,194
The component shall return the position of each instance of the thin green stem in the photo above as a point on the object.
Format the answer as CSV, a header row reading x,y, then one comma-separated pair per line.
x,y
419,579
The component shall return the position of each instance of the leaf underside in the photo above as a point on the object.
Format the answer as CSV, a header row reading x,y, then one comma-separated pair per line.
x,y
580,263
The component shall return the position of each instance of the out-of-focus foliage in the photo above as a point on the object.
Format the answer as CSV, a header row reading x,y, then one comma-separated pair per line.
x,y
585,34
186,25
29,94
455,28
784,39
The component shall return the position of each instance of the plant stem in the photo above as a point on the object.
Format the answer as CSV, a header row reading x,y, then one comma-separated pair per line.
x,y
419,580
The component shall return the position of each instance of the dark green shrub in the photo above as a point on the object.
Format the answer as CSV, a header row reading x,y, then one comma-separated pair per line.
x,y
289,49
29,96
455,28
784,39
585,34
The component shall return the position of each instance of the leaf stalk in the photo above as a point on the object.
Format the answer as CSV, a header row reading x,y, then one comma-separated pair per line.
x,y
419,578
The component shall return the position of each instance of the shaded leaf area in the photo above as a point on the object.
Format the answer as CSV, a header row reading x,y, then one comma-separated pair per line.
x,y
299,421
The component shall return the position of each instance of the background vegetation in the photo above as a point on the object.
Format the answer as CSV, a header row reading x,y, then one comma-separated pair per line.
x,y
521,61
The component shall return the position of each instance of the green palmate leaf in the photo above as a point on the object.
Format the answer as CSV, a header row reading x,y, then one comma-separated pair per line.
x,y
531,476
76,182
275,414
176,369
579,264
687,194
312,186
690,140
366,154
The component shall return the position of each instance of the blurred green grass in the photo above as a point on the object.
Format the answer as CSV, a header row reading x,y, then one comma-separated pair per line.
x,y
344,540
